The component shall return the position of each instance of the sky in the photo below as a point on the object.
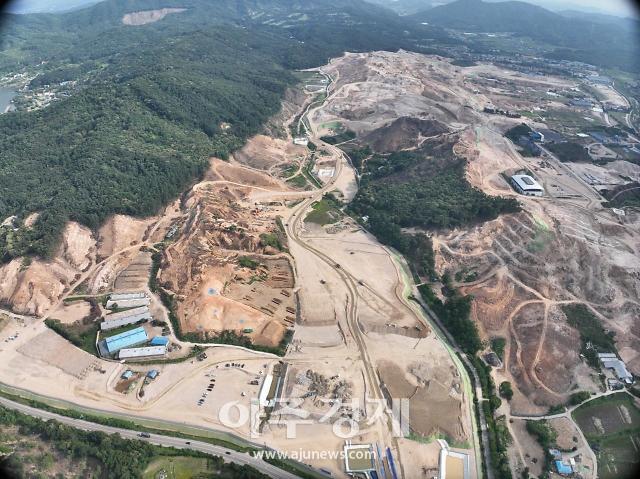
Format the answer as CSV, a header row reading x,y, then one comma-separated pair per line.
x,y
612,7
26,6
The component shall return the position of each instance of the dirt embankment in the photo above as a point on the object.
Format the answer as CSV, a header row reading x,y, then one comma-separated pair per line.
x,y
521,271
148,16
34,286
292,103
266,153
31,288
403,133
375,89
120,232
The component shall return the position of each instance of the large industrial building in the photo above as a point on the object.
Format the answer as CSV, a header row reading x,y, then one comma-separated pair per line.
x,y
124,318
611,361
525,185
127,339
128,300
144,352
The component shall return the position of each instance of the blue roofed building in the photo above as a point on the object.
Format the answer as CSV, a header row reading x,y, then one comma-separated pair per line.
x,y
133,337
536,136
563,469
153,374
159,341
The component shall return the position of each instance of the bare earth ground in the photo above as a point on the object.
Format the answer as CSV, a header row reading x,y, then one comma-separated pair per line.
x,y
72,312
221,225
562,249
148,16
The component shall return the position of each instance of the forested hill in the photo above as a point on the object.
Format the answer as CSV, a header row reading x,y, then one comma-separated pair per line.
x,y
320,23
146,107
603,44
476,15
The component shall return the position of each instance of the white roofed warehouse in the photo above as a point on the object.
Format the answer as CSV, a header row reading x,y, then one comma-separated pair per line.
x,y
124,318
143,352
526,185
127,300
611,361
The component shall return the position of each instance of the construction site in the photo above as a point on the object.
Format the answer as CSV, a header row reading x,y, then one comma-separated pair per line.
x,y
263,250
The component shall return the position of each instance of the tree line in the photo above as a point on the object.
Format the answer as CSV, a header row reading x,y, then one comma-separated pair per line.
x,y
110,455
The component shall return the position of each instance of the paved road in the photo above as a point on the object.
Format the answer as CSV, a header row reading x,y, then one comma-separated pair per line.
x,y
229,455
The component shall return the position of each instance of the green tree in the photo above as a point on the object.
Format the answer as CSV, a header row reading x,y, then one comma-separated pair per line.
x,y
505,390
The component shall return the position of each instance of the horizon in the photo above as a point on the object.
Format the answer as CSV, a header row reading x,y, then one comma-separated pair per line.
x,y
619,8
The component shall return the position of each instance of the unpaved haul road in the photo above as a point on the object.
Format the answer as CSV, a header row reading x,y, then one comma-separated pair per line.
x,y
293,226
372,384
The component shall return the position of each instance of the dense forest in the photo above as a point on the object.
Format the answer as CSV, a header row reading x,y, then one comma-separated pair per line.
x,y
570,152
110,456
455,314
407,189
149,102
136,137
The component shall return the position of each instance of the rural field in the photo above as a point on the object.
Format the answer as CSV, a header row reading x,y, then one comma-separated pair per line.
x,y
612,427
177,467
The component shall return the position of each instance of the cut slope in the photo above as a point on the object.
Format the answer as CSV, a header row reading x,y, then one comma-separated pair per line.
x,y
148,16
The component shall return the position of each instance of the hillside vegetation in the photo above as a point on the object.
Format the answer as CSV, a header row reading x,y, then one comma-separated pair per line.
x,y
137,135
146,112
423,189
410,189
